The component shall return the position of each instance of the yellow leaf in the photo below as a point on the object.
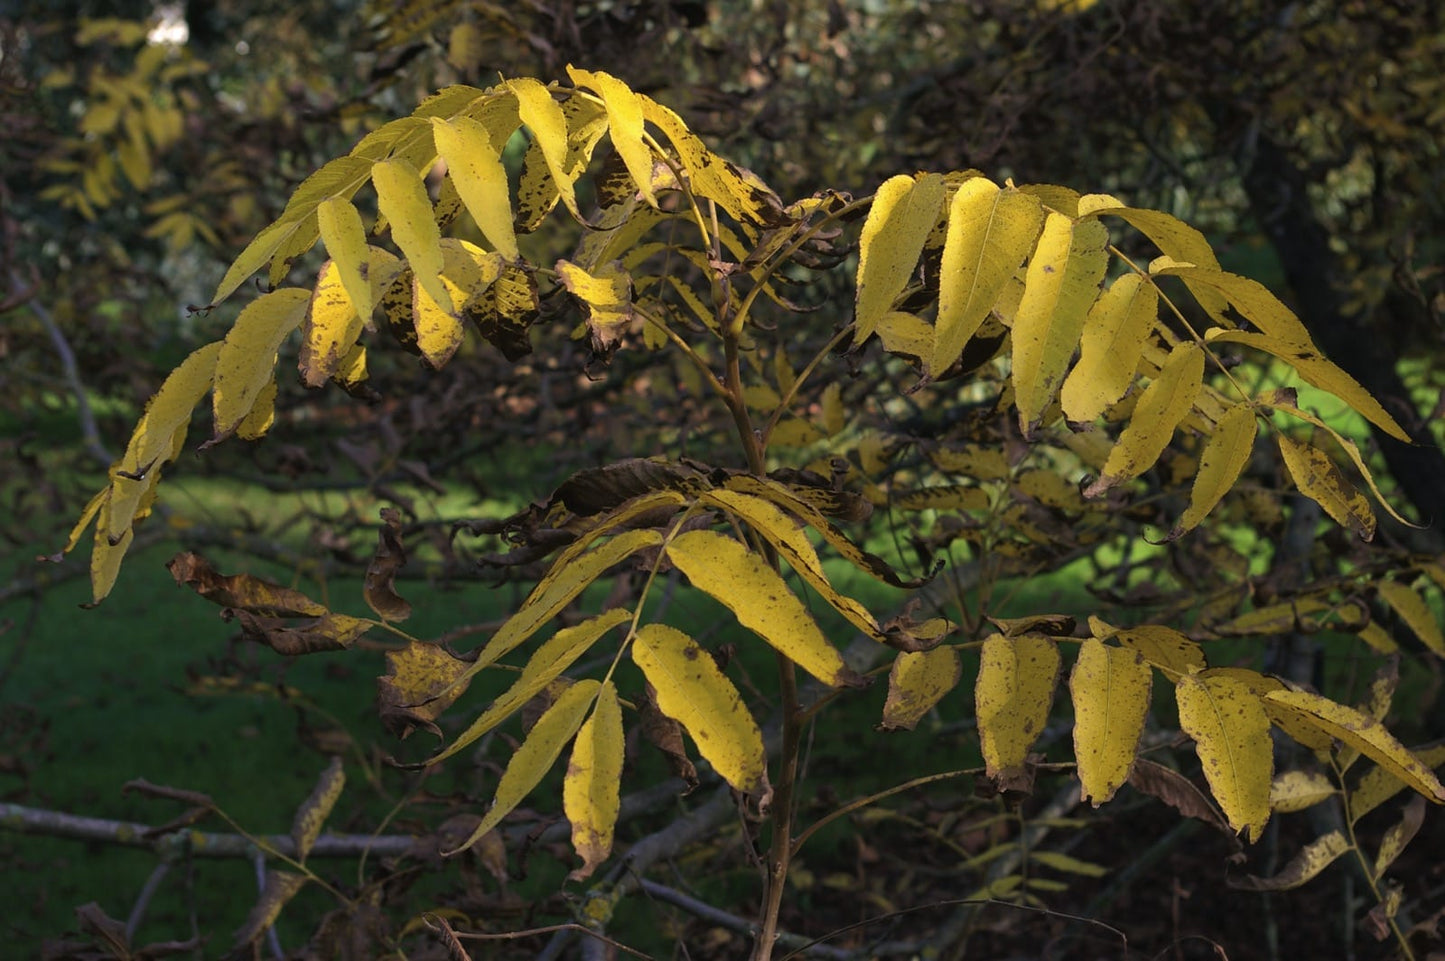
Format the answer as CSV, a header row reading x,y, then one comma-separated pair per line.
x,y
247,359
279,888
403,201
1110,689
903,213
739,192
756,594
1413,610
1223,460
439,330
1252,299
1299,790
952,497
1312,859
1166,401
420,683
105,558
1320,480
990,232
1173,237
625,125
917,682
474,165
1317,371
1231,735
606,293
1400,834
331,327
166,416
694,692
313,812
1113,340
906,334
834,417
1060,287
1363,733
345,238
568,576
1283,400
590,791
262,416
1012,697
544,117
535,757
546,664
1380,784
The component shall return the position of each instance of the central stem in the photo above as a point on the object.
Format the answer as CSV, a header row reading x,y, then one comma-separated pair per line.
x,y
780,851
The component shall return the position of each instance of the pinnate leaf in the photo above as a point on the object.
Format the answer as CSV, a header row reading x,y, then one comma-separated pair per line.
x,y
917,681
474,165
903,214
247,358
403,201
1110,347
1231,735
1317,477
1223,460
1165,402
1013,694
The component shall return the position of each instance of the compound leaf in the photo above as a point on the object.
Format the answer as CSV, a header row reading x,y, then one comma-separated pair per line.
x,y
402,199
248,354
904,212
1317,477
474,165
1013,694
1223,460
1165,402
917,682
1110,347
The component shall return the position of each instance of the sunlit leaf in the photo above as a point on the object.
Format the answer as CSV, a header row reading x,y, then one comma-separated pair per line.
x,y
625,125
990,232
474,165
535,757
692,689
403,201
1223,460
1060,287
917,681
1362,732
1231,735
1110,687
1163,647
904,211
1110,347
590,791
1013,695
1317,477
761,601
345,238
248,355
1166,401
548,124
1415,612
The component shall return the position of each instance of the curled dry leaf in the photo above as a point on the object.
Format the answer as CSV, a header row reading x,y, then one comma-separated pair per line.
x,y
389,558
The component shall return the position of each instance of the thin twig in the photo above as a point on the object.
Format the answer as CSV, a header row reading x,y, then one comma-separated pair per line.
x,y
143,900
88,429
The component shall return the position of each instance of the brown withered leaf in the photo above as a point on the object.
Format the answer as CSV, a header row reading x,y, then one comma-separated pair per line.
x,y
666,735
595,490
1180,793
410,694
330,632
1054,625
505,311
241,591
390,557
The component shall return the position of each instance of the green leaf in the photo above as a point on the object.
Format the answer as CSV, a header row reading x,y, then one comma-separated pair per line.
x,y
1165,403
1320,480
1110,347
1012,696
903,213
990,232
474,164
1110,687
535,757
917,682
546,664
248,354
755,593
403,201
1060,287
1363,733
1224,459
1231,735
692,690
313,812
590,791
